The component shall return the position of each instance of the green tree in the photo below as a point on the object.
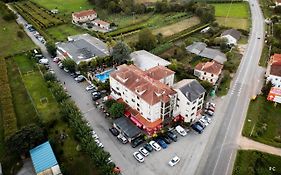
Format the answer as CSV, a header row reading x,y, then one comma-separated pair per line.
x,y
25,139
51,48
205,12
147,40
117,110
109,103
121,52
266,88
83,66
50,77
69,64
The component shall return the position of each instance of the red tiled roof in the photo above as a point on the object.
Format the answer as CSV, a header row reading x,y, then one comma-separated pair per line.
x,y
276,57
101,22
159,72
150,90
84,13
211,67
275,65
279,1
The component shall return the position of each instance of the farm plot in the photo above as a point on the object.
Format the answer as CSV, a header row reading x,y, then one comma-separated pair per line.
x,y
236,23
177,27
42,17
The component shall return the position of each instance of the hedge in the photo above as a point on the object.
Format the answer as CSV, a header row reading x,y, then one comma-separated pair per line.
x,y
8,113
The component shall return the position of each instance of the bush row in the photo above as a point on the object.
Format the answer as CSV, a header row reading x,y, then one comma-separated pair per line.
x,y
6,13
126,30
6,103
73,116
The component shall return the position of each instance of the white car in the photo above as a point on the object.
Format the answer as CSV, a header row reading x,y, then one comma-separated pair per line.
x,y
205,122
122,139
155,145
143,151
66,70
90,87
94,135
180,130
174,161
43,61
139,157
209,104
207,119
60,65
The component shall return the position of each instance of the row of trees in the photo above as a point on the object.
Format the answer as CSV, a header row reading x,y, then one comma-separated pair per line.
x,y
6,13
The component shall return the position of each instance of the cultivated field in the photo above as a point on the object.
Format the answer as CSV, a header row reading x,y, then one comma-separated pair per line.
x,y
177,27
236,23
65,7
235,10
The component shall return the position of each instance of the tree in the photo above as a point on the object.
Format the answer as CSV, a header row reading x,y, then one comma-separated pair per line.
x,y
83,66
121,52
109,103
51,48
20,34
205,12
266,88
69,64
117,110
147,40
25,139
50,77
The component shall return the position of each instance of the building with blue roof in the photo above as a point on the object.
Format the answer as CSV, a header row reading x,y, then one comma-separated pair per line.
x,y
44,160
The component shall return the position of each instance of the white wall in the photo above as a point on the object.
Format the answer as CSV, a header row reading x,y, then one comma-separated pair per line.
x,y
212,78
230,39
169,80
276,80
84,18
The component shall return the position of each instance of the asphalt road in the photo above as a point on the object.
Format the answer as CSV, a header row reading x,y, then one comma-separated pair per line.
x,y
220,154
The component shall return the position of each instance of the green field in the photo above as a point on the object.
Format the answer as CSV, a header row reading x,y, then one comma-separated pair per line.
x,y
256,163
234,10
61,32
263,122
237,23
65,6
10,42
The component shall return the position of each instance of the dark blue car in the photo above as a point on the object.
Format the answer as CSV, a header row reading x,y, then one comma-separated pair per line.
x,y
162,143
196,127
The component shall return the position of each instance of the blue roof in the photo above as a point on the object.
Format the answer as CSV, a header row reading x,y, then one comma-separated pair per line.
x,y
43,157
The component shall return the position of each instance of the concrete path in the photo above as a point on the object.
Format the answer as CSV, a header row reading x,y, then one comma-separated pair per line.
x,y
27,168
248,144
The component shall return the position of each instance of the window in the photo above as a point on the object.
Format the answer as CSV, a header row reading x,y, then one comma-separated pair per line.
x,y
123,93
149,119
138,109
212,75
178,99
193,108
117,88
194,102
138,105
187,103
204,73
138,97
133,100
126,101
192,114
178,106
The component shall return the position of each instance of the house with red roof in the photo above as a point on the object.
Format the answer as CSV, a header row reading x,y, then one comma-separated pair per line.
x,y
273,72
209,71
84,16
102,24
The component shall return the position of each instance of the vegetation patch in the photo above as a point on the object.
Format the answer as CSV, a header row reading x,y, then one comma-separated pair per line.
x,y
237,23
263,122
233,10
256,163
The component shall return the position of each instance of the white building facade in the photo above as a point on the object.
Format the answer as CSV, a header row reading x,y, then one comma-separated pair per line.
x,y
84,16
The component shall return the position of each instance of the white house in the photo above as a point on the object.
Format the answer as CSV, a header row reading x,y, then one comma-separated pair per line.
x,y
273,72
277,2
209,71
190,99
232,36
102,24
84,16
151,101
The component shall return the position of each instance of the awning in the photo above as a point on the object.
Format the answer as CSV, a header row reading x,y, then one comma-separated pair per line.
x,y
127,113
135,121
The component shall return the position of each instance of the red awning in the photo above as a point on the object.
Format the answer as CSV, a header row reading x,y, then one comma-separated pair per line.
x,y
135,121
127,113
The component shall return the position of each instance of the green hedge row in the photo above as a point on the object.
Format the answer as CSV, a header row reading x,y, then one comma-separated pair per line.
x,y
8,113
126,30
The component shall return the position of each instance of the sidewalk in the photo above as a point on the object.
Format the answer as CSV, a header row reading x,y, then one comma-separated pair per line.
x,y
248,144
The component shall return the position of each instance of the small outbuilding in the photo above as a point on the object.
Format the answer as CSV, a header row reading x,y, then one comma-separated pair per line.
x,y
232,36
127,128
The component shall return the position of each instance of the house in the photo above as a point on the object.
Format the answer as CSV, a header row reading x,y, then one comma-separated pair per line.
x,y
274,95
127,128
273,72
44,160
190,99
102,24
201,49
209,71
146,60
232,36
151,102
277,2
84,16
82,48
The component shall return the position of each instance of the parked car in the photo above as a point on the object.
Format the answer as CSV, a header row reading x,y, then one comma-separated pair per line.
x,y
66,70
180,130
43,61
174,161
96,96
207,119
162,143
139,157
208,104
148,147
143,151
203,121
200,124
99,143
172,136
122,139
155,145
209,112
136,142
114,131
166,139
90,87
60,65
56,59
80,78
197,128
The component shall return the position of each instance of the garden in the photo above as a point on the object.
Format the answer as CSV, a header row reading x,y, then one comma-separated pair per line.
x,y
256,163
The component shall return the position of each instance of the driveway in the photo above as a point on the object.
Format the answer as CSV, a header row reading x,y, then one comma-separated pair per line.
x,y
189,149
27,168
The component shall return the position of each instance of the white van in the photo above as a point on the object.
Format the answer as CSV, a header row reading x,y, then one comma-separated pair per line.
x,y
44,61
180,130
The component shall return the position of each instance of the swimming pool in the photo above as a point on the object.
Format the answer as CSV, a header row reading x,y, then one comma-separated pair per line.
x,y
104,75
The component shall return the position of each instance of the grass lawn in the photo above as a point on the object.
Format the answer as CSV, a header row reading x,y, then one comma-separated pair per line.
x,y
10,42
234,10
65,7
256,163
23,106
61,32
237,23
223,87
265,56
263,122
177,27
